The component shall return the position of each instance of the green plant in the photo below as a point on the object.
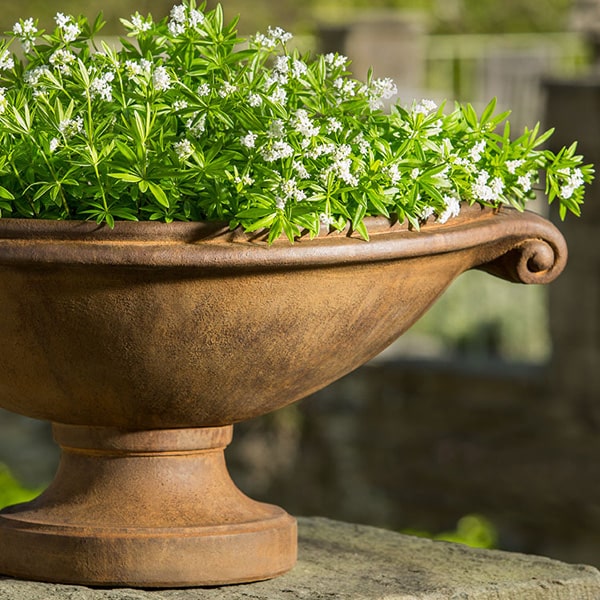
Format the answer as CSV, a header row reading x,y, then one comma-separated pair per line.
x,y
188,122
11,491
472,530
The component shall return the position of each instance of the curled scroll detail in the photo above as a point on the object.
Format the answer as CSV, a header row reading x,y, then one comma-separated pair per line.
x,y
530,261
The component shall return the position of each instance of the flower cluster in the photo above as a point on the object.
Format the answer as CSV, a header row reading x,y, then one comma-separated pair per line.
x,y
186,123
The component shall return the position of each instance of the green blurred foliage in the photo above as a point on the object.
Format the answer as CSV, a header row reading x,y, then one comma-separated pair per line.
x,y
11,491
472,530
460,16
484,317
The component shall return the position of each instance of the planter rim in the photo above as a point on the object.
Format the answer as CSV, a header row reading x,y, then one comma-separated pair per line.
x,y
214,247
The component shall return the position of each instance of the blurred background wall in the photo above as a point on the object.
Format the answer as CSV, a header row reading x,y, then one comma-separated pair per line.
x,y
487,406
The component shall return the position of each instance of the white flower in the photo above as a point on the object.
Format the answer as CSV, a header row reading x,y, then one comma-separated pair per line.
x,y
379,90
322,150
426,212
333,125
249,140
497,186
161,79
276,129
203,90
54,144
140,25
62,20
300,170
452,209
254,100
183,149
476,151
61,59
179,105
279,149
385,88
363,145
244,180
26,31
33,76
425,107
525,182
227,89
326,219
195,18
393,173
513,165
260,39
176,29
70,127
282,64
177,14
574,181
272,38
6,61
336,61
143,67
280,202
346,87
3,101
279,35
415,173
70,32
181,20
487,192
341,166
304,125
279,96
196,125
299,68
100,86
290,191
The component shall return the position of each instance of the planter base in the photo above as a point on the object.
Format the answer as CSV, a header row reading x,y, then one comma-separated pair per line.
x,y
145,509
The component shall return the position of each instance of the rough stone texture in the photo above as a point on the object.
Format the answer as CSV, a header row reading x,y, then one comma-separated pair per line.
x,y
354,562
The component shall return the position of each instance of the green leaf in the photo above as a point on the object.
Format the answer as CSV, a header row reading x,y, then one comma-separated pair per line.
x,y
159,194
488,111
254,213
131,177
4,193
361,228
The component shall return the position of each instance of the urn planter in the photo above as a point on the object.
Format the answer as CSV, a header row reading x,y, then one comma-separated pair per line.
x,y
144,344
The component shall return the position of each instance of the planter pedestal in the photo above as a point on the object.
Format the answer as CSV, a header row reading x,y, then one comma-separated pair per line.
x,y
156,507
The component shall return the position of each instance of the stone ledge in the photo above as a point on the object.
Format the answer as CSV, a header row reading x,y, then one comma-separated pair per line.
x,y
355,562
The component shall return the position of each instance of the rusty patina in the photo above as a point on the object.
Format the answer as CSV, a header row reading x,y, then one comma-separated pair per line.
x,y
144,344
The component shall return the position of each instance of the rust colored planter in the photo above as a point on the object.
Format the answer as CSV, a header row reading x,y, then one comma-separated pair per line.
x,y
144,344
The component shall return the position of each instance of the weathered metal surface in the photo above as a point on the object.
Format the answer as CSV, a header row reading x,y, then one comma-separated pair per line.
x,y
151,332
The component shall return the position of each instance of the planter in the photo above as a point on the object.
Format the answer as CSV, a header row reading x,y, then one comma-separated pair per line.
x,y
144,344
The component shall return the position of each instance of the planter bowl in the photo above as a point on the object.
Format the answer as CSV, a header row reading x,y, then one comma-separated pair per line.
x,y
144,344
